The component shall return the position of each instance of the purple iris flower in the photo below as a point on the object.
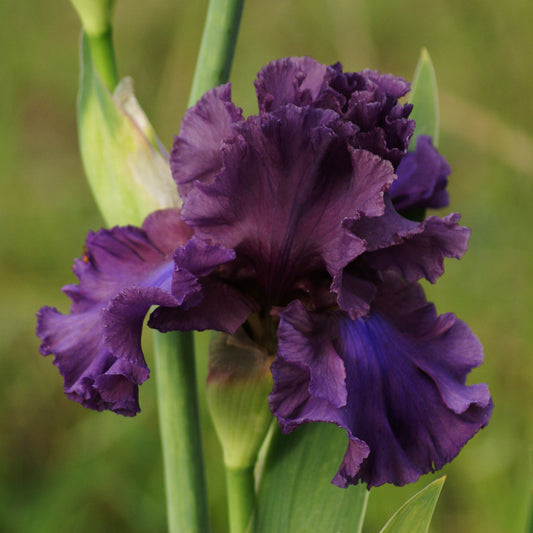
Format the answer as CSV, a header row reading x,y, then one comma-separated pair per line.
x,y
290,233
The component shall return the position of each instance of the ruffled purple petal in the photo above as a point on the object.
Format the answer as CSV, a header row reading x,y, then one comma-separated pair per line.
x,y
354,293
302,337
222,308
97,347
382,124
415,249
292,80
422,178
302,344
408,410
372,97
286,193
202,283
366,100
195,260
82,358
196,154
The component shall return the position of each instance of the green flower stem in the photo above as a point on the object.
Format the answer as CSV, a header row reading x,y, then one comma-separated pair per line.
x,y
103,56
174,352
180,433
241,497
218,46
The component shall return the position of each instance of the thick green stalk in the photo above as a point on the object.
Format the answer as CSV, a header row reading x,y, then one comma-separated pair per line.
x,y
180,433
96,19
241,497
218,46
103,56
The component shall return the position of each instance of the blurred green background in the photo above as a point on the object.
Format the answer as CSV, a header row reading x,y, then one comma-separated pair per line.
x,y
63,468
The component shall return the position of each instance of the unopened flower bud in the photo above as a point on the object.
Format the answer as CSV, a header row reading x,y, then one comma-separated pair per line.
x,y
238,385
127,169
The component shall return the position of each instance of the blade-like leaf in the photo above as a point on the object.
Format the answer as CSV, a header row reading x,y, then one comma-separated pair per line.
x,y
414,516
128,175
295,491
425,100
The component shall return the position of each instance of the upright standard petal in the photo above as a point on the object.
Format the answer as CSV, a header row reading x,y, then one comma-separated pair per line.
x,y
288,189
196,154
366,100
385,128
292,80
97,347
408,410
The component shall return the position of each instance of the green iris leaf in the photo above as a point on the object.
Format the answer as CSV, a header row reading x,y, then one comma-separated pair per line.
x,y
425,100
414,516
295,491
